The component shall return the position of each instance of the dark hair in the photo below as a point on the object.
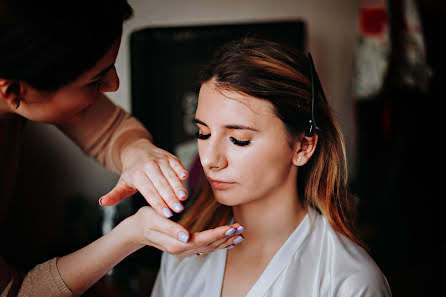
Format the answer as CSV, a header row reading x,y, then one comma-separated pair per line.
x,y
281,75
49,43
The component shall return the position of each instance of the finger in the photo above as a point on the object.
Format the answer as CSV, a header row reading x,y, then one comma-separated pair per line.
x,y
239,228
166,243
204,238
120,191
175,183
231,235
231,242
162,186
148,191
168,227
181,172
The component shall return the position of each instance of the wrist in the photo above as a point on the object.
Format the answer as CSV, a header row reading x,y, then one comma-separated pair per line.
x,y
131,145
127,142
127,231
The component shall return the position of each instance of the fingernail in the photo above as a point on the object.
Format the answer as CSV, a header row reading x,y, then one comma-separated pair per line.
x,y
240,230
100,201
166,212
181,194
183,174
230,246
183,237
230,231
238,240
177,206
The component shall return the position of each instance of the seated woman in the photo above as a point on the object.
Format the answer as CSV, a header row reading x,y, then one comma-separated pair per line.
x,y
274,161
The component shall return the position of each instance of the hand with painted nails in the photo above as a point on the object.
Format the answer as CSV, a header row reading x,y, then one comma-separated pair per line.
x,y
155,173
146,227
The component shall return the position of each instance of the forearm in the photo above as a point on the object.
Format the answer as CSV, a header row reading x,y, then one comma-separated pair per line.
x,y
83,268
104,129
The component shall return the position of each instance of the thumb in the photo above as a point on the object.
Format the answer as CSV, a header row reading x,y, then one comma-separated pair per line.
x,y
120,191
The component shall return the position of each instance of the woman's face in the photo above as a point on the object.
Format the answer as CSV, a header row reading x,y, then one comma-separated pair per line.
x,y
243,146
68,103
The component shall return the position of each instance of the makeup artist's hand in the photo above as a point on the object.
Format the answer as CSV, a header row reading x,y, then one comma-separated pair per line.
x,y
146,227
155,173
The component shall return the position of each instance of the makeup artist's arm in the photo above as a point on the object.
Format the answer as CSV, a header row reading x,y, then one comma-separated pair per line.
x,y
83,268
122,144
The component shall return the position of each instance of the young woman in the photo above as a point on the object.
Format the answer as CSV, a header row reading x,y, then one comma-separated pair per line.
x,y
274,161
56,61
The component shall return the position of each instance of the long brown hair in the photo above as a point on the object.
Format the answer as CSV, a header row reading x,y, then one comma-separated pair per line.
x,y
280,75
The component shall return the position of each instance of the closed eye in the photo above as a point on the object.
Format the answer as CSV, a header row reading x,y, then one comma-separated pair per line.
x,y
240,142
203,136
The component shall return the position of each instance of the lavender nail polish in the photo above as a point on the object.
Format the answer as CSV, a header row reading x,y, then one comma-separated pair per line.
x,y
183,237
181,194
230,231
166,212
230,246
240,230
177,206
183,174
238,239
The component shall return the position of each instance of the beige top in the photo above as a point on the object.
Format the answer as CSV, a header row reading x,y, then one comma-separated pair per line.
x,y
98,135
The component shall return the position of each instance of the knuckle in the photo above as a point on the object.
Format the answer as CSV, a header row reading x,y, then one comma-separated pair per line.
x,y
151,164
148,233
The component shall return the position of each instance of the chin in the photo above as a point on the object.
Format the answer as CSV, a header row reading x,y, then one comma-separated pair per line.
x,y
227,199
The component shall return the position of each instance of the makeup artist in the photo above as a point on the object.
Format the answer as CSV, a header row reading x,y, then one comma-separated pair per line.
x,y
56,61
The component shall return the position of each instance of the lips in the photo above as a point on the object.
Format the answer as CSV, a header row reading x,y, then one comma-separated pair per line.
x,y
219,184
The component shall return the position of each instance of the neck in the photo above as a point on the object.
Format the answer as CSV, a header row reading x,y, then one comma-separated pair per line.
x,y
270,221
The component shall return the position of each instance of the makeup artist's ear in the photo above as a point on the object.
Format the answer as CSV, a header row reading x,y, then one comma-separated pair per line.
x,y
304,149
9,91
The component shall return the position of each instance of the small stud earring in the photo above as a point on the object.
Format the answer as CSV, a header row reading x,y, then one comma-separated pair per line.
x,y
299,159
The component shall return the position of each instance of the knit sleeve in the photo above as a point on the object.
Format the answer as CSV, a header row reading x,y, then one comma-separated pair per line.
x,y
99,131
42,280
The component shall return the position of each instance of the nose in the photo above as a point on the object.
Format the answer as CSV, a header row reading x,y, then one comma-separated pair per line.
x,y
212,155
110,82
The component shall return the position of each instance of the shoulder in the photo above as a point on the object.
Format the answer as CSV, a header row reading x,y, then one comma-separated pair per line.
x,y
352,269
363,283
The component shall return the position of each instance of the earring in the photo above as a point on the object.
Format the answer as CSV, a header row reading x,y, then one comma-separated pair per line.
x,y
299,159
17,103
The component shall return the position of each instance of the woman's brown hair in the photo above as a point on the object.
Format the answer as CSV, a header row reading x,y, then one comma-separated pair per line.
x,y
280,75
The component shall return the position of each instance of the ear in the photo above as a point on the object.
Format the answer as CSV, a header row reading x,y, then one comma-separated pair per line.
x,y
9,91
304,149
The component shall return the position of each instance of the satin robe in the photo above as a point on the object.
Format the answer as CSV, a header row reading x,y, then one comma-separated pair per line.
x,y
315,261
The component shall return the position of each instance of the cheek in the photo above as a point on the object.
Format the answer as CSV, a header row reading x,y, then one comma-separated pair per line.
x,y
264,167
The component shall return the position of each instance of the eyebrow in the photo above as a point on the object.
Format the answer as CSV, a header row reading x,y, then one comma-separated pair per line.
x,y
103,71
234,127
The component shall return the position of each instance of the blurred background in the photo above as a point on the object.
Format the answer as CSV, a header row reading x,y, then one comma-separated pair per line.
x,y
381,64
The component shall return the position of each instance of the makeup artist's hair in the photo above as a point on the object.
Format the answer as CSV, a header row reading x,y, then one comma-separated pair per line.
x,y
277,74
49,43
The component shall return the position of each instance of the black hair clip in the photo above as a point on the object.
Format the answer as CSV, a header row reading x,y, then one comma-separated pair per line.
x,y
312,122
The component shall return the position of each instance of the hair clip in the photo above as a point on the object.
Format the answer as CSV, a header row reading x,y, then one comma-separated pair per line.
x,y
312,122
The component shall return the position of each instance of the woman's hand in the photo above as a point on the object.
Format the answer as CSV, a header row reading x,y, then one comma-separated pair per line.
x,y
155,173
146,227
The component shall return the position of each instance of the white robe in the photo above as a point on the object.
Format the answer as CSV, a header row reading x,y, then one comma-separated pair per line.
x,y
315,261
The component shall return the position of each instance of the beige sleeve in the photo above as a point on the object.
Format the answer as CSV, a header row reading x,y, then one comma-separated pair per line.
x,y
42,280
100,132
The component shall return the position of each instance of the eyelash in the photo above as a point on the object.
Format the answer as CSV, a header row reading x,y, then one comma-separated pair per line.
x,y
233,140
